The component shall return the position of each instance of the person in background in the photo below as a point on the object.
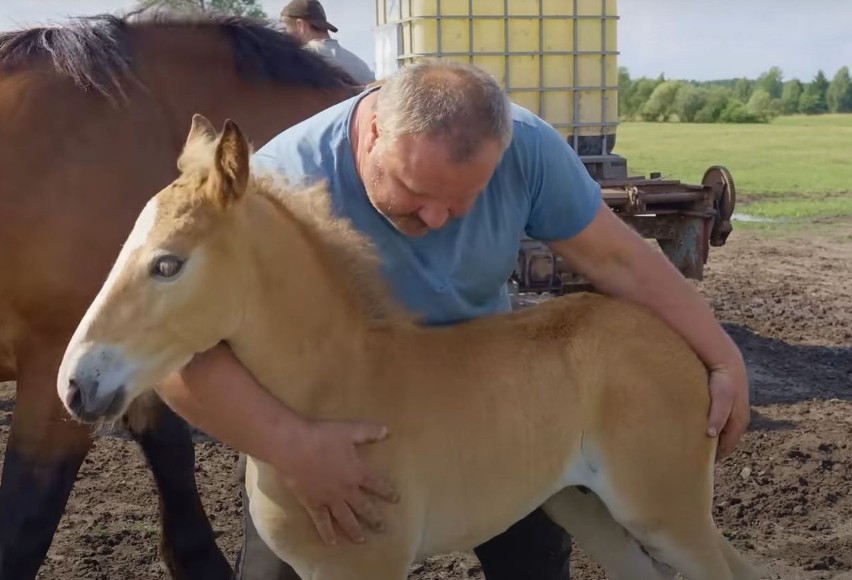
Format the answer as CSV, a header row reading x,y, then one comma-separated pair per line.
x,y
305,20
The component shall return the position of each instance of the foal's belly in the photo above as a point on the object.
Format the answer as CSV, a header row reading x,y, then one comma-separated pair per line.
x,y
463,520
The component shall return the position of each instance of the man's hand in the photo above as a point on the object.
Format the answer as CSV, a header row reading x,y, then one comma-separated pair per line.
x,y
618,262
318,461
729,407
324,471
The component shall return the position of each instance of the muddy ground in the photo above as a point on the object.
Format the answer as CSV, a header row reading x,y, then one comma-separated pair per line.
x,y
783,497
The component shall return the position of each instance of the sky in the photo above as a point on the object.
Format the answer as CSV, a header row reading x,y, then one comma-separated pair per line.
x,y
693,39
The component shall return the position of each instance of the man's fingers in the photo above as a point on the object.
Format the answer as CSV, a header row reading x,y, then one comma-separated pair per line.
x,y
720,410
366,433
347,521
365,509
322,522
723,449
734,430
728,440
381,487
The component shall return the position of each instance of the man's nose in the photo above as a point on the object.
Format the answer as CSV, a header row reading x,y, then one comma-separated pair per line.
x,y
434,216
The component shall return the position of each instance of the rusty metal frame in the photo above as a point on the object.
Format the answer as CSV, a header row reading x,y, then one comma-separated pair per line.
x,y
679,217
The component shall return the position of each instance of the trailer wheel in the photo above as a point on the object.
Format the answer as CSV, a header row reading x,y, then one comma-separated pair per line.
x,y
725,198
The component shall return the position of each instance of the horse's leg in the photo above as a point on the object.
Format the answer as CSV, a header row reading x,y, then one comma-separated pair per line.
x,y
695,550
741,568
671,518
700,551
187,543
43,454
587,519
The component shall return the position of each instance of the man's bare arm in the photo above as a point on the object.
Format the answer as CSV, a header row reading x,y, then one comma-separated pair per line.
x,y
618,262
319,461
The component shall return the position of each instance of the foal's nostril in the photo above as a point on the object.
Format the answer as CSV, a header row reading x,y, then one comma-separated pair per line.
x,y
75,397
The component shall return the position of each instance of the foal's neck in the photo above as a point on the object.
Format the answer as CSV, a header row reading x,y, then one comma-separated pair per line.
x,y
301,331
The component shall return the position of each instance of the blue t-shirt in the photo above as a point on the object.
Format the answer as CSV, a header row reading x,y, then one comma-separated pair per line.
x,y
458,272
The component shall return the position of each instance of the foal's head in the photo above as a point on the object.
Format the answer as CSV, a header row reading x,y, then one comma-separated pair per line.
x,y
176,287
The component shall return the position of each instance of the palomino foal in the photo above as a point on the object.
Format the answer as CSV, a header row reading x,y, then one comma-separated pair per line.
x,y
587,405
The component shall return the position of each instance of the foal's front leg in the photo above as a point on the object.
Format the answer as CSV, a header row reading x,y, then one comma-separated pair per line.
x,y
368,567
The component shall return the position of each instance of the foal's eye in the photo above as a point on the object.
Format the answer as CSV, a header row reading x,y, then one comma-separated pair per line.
x,y
167,266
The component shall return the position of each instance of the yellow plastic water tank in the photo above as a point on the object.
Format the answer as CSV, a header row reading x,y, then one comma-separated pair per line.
x,y
557,58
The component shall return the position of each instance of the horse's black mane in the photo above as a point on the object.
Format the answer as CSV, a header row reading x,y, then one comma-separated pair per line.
x,y
93,52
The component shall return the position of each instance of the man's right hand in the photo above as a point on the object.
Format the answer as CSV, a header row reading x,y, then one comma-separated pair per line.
x,y
323,470
318,461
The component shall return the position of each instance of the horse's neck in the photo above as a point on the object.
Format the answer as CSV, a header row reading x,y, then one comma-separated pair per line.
x,y
299,330
181,68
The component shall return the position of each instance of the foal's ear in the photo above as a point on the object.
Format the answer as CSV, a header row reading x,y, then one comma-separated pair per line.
x,y
201,128
231,164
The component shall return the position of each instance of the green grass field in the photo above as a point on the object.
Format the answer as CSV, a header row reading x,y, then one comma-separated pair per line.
x,y
795,169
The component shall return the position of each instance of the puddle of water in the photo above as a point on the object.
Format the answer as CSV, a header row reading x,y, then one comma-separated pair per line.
x,y
744,217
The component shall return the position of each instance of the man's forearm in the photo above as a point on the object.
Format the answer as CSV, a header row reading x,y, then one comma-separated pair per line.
x,y
618,262
216,394
648,278
318,461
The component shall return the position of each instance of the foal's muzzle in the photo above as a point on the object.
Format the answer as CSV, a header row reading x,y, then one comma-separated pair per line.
x,y
87,402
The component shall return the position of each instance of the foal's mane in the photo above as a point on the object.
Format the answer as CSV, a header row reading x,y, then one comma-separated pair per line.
x,y
349,253
94,51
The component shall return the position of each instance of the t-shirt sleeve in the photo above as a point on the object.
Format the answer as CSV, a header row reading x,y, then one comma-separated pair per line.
x,y
564,197
265,159
288,158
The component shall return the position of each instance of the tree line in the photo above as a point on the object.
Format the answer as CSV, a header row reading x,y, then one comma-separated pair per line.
x,y
738,100
249,8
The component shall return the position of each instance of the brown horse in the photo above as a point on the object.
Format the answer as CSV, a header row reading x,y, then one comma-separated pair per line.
x,y
583,392
91,118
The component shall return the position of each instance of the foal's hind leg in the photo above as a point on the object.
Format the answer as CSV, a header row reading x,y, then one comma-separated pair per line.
x,y
697,551
587,519
43,455
671,516
187,544
741,567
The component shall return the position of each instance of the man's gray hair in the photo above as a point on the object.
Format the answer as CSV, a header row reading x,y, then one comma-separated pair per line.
x,y
440,98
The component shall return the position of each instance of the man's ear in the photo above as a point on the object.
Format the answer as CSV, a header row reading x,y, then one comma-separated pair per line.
x,y
373,134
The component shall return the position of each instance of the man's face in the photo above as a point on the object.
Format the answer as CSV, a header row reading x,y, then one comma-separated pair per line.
x,y
415,185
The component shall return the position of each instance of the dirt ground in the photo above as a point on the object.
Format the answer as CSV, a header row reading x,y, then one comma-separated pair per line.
x,y
784,496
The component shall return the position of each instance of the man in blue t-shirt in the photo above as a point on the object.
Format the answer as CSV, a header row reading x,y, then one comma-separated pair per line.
x,y
447,241
445,176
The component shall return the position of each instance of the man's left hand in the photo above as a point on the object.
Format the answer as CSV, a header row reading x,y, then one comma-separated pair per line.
x,y
618,262
729,407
